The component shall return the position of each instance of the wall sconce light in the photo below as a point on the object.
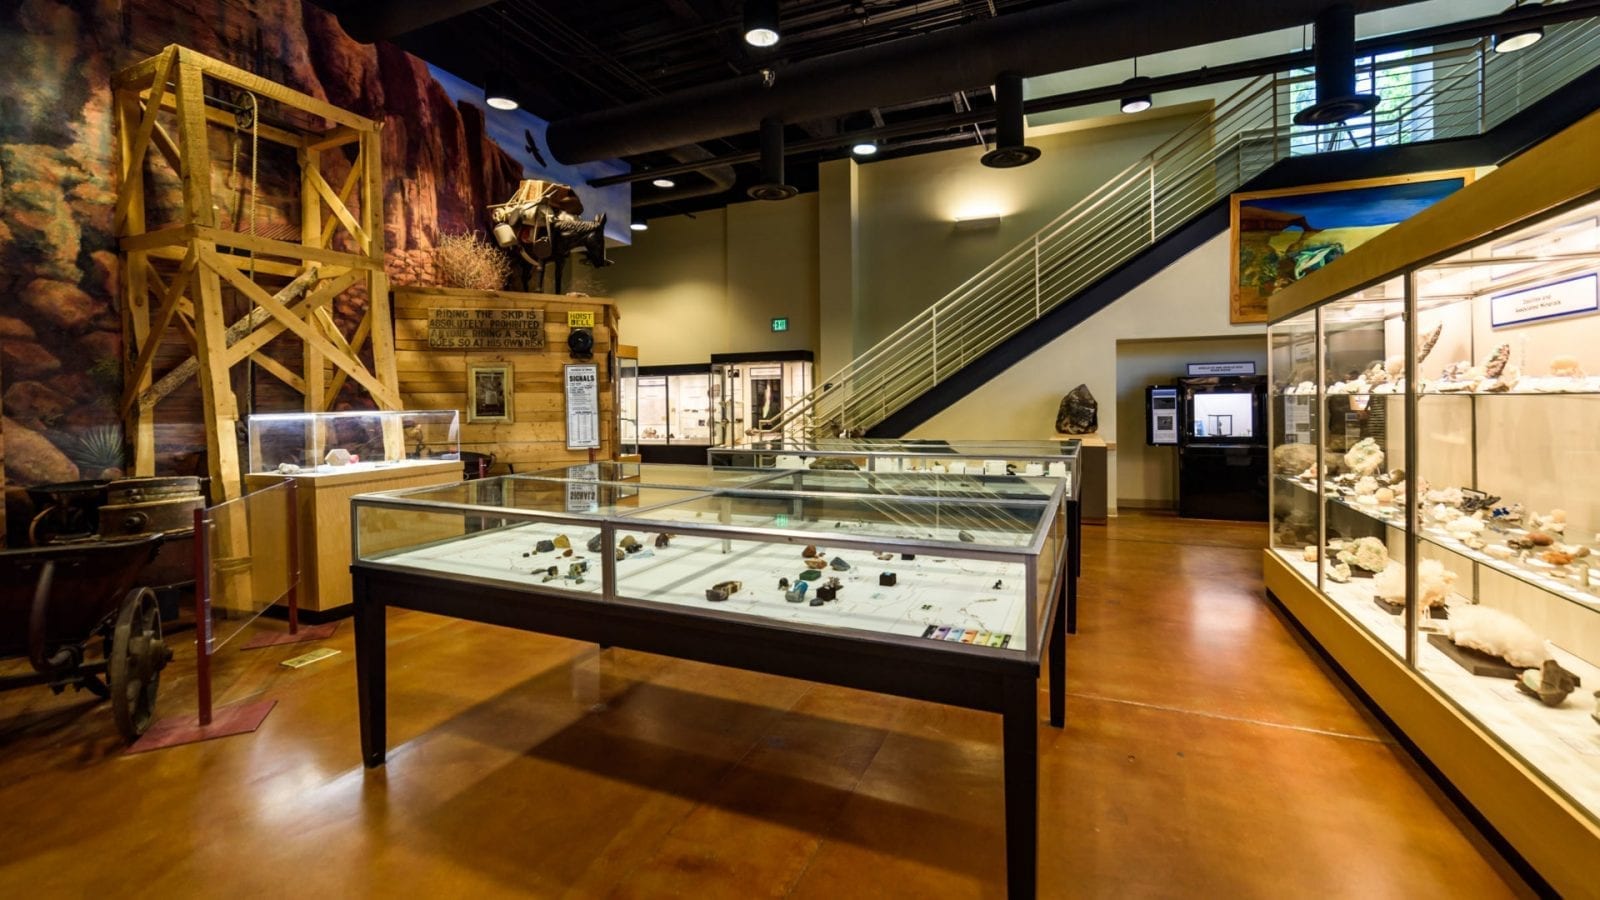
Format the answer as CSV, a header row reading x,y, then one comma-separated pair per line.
x,y
761,23
978,221
497,92
1516,38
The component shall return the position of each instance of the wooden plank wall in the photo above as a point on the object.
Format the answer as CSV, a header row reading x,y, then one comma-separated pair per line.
x,y
537,436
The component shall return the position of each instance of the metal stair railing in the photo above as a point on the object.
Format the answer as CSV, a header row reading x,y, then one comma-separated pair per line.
x,y
1454,91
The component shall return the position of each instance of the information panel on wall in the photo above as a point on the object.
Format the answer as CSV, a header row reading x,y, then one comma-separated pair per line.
x,y
583,406
485,329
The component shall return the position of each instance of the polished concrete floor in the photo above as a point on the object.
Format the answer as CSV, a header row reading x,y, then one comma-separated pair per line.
x,y
1208,753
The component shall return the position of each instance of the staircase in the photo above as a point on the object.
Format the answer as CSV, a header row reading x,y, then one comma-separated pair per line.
x,y
1462,90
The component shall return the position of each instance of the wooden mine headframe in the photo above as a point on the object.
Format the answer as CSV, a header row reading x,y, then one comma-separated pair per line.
x,y
188,301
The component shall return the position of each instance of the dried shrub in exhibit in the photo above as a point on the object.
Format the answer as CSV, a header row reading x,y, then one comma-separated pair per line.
x,y
467,261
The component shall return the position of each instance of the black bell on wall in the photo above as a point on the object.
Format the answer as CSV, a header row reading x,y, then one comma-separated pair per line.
x,y
1009,150
1335,58
771,186
580,343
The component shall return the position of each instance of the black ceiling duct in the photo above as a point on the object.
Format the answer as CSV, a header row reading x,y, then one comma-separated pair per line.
x,y
1009,151
772,186
1335,52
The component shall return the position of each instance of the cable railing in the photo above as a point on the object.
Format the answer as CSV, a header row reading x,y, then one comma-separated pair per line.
x,y
1455,91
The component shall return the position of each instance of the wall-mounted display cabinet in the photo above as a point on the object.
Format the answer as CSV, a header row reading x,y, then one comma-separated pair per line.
x,y
750,392
675,412
1435,423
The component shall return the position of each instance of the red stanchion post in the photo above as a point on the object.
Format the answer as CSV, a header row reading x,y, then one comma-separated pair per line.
x,y
202,612
293,529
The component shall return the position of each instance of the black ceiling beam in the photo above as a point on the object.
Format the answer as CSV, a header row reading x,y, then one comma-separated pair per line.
x,y
385,20
1423,37
1035,42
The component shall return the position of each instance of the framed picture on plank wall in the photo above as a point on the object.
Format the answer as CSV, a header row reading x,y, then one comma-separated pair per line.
x,y
489,393
1280,236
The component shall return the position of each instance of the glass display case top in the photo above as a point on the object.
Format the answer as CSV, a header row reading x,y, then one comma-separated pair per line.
x,y
322,442
976,570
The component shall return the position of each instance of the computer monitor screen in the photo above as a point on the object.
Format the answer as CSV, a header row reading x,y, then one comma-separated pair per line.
x,y
1223,415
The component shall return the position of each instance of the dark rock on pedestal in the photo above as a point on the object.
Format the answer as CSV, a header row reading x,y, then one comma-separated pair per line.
x,y
827,592
1079,413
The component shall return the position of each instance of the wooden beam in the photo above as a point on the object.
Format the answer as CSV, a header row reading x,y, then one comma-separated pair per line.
x,y
333,137
322,187
171,236
280,371
193,154
357,341
262,331
216,392
138,76
351,179
385,395
171,293
133,165
238,77
310,203
262,266
270,247
167,146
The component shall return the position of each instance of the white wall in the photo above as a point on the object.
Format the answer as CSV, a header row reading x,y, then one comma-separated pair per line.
x,y
1188,299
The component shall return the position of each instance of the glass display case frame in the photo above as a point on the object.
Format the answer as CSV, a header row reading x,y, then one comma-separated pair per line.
x,y
627,385
610,502
299,442
676,415
1431,510
749,389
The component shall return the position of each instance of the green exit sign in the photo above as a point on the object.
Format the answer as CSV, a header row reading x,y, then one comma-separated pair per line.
x,y
781,323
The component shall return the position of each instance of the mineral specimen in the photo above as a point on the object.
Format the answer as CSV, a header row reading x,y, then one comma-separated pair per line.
x,y
1365,458
783,584
1497,634
631,544
839,564
562,541
810,575
886,579
722,590
1368,554
965,537
716,596
816,601
1384,496
1078,413
1338,573
1550,683
1309,554
1565,367
906,556
1366,485
544,546
662,540
798,594
1425,346
1497,361
809,551
1540,539
827,592
1288,459
1556,557
1433,583
339,456
816,563
595,543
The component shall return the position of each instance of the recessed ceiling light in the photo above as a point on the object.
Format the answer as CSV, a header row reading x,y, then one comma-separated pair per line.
x,y
664,183
497,92
864,148
761,23
639,224
1520,39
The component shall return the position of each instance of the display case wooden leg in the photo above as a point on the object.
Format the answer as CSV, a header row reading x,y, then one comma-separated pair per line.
x,y
1020,723
1074,563
371,674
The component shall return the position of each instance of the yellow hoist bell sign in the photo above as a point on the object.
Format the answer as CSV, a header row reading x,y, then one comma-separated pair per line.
x,y
580,319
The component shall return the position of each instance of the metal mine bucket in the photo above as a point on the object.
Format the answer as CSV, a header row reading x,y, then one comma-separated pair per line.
x,y
162,506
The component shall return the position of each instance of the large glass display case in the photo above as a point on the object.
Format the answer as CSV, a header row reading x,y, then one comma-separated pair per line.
x,y
675,412
938,561
353,440
750,392
1054,459
1436,435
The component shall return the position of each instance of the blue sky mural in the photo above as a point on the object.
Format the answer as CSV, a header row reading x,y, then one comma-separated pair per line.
x,y
507,129
1382,205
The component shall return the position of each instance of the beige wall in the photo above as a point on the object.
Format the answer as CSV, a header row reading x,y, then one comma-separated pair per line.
x,y
1188,299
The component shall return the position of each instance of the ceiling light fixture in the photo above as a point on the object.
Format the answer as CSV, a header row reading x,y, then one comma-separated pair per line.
x,y
864,148
1516,38
664,183
761,23
1334,55
1138,98
1009,150
639,223
497,92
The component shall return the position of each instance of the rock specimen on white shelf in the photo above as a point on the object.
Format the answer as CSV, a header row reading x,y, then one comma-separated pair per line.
x,y
1565,367
1500,552
1309,554
1366,484
1375,374
1368,554
1442,513
1464,527
288,469
339,456
965,537
1425,346
1497,634
1365,458
1384,496
1550,683
1338,573
1497,361
1433,583
1447,496
1306,387
1365,500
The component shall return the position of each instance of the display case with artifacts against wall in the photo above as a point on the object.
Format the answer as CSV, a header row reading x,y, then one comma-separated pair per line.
x,y
1439,532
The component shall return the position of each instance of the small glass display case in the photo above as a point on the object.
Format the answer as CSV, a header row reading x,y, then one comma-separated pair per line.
x,y
675,414
969,563
1436,481
291,443
751,391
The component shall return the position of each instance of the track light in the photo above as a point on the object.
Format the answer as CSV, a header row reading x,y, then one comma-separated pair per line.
x,y
1009,151
864,148
771,186
1335,59
639,223
761,23
664,183
497,92
1137,100
1516,38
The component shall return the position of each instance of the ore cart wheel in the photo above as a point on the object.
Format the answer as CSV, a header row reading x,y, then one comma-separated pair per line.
x,y
137,658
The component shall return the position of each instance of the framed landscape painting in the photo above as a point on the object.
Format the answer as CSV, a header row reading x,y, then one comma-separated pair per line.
x,y
1279,237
